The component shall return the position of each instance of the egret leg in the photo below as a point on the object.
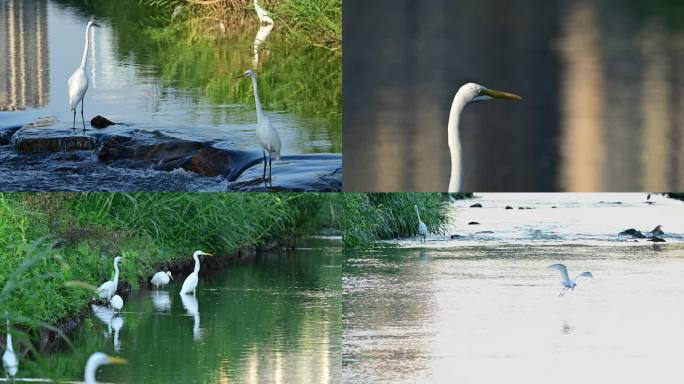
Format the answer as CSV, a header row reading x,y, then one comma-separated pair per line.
x,y
265,163
82,118
74,125
270,167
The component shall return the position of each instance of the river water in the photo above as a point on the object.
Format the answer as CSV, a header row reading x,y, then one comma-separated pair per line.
x,y
484,308
273,318
146,71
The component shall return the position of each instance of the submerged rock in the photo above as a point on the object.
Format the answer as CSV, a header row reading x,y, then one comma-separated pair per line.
x,y
454,237
29,140
473,223
476,205
656,239
509,207
6,134
100,122
632,232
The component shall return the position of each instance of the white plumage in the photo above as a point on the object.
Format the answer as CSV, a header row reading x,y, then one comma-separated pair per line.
x,y
262,14
108,288
190,283
9,359
116,303
161,279
422,228
568,283
78,82
97,359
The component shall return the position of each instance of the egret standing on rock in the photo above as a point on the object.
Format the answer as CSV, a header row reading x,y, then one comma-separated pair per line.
x,y
467,94
266,133
422,228
190,283
161,279
97,359
78,82
108,288
566,282
9,359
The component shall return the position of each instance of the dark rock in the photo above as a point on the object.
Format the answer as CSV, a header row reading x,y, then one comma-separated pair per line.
x,y
509,207
657,231
155,148
485,233
454,237
100,122
210,161
6,134
476,205
656,239
554,207
632,232
32,140
473,223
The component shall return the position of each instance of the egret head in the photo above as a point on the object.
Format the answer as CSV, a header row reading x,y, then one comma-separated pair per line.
x,y
99,358
472,92
169,274
118,259
92,23
201,253
247,73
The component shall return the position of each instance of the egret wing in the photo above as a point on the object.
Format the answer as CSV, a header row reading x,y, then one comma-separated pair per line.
x,y
584,274
422,229
563,270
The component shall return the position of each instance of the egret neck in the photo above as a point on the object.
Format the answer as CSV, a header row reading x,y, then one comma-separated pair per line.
x,y
456,180
87,45
260,111
197,264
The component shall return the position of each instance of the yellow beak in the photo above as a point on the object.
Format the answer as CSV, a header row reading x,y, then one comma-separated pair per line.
x,y
116,360
500,95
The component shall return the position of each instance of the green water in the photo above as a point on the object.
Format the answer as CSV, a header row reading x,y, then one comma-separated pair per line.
x,y
269,318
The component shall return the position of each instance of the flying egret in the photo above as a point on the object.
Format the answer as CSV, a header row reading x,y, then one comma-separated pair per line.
x,y
468,93
566,282
161,279
190,283
422,228
78,82
262,14
9,359
108,288
266,133
116,303
97,359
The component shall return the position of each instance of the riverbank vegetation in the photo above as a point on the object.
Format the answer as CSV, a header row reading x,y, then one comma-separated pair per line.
x,y
369,217
52,238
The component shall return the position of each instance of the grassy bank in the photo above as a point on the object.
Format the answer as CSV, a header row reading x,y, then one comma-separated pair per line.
x,y
86,231
369,217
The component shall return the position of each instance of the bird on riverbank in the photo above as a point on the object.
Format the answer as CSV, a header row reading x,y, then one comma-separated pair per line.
x,y
467,94
262,14
78,82
161,279
422,228
190,283
266,133
116,303
108,288
566,282
10,363
96,360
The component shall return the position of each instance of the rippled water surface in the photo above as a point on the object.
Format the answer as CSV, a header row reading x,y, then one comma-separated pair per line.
x,y
486,309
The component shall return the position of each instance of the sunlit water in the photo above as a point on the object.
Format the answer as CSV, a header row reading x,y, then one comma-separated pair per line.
x,y
269,319
135,82
487,310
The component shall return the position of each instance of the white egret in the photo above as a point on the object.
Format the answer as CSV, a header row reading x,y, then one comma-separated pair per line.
x,y
108,288
10,363
467,94
422,228
78,82
161,279
97,359
566,282
262,14
266,133
116,303
190,283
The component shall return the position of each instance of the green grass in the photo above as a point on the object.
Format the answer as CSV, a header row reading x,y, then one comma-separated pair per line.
x,y
85,231
369,217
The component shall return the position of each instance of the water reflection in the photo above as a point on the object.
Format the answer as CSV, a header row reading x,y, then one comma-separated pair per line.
x,y
601,83
24,59
112,320
161,300
192,309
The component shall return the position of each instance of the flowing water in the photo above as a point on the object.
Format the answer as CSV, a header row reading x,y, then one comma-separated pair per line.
x,y
153,73
273,318
484,308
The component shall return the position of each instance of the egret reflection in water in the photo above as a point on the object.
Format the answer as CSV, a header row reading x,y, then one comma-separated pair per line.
x,y
192,309
161,300
112,320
